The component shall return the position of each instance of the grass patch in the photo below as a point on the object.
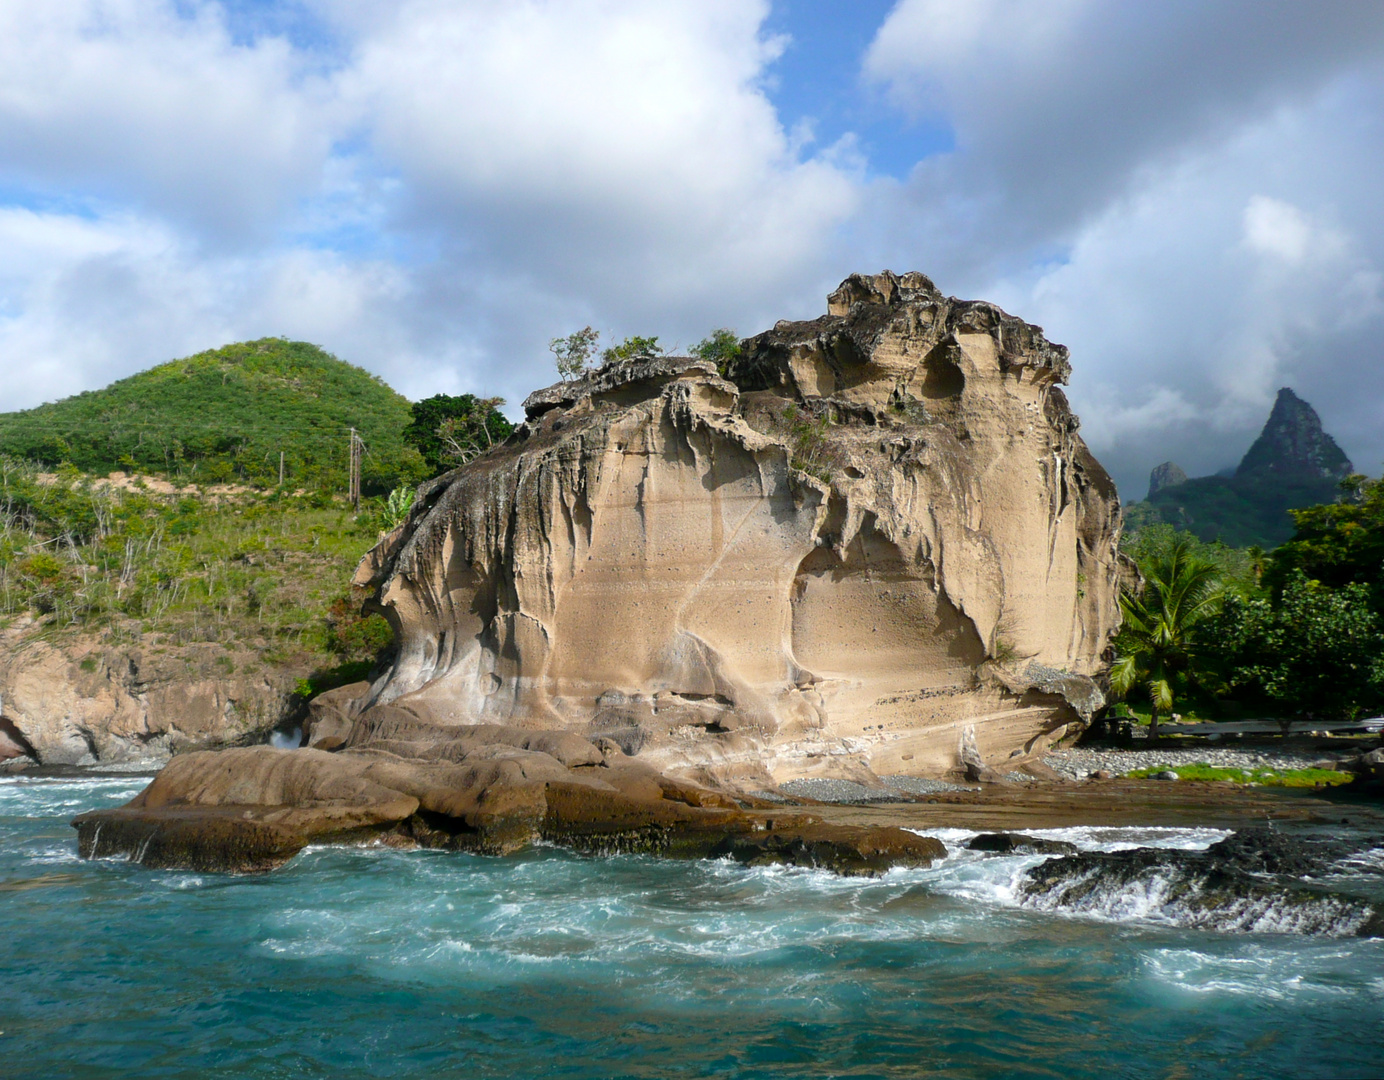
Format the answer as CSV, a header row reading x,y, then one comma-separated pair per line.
x,y
1291,778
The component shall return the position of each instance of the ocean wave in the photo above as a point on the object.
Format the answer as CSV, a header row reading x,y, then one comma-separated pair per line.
x,y
1257,881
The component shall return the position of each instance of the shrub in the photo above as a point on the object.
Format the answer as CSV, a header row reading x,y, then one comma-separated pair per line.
x,y
573,353
633,348
721,348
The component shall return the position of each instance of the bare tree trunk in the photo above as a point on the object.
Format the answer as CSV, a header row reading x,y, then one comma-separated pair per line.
x,y
1153,725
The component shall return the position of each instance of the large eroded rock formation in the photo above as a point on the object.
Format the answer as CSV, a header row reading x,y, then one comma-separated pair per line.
x,y
873,541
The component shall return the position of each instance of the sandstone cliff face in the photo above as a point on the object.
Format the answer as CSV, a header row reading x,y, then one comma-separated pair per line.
x,y
80,702
874,542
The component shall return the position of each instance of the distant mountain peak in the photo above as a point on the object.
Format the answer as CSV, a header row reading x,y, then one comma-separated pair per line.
x,y
1294,444
1164,476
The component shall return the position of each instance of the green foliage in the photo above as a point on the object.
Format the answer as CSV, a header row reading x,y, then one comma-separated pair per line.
x,y
1339,543
809,442
260,571
1290,778
450,431
1238,569
224,416
394,509
633,348
353,635
329,678
1159,647
573,353
1310,650
1239,510
722,347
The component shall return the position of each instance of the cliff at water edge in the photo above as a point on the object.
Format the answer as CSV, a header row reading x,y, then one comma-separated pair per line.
x,y
868,544
869,535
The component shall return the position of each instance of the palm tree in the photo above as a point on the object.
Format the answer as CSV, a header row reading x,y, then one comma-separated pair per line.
x,y
1157,644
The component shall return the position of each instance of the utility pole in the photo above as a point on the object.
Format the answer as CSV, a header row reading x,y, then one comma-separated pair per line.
x,y
357,445
281,468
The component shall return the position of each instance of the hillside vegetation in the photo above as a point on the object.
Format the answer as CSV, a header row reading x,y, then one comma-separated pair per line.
x,y
224,416
264,574
1240,511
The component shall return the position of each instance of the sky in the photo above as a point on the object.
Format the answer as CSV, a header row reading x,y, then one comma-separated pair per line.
x,y
1186,194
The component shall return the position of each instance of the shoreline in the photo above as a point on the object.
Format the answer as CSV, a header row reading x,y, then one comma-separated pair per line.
x,y
1115,803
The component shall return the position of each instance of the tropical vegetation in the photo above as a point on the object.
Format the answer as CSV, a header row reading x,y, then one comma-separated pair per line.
x,y
450,431
264,573
1294,632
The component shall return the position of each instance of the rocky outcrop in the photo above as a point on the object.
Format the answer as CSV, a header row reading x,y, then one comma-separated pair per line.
x,y
484,789
1167,475
1258,880
870,538
871,543
1294,444
78,701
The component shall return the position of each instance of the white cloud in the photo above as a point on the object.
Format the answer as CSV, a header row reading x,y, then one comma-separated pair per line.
x,y
488,175
152,102
1188,303
621,152
1184,193
1274,227
84,301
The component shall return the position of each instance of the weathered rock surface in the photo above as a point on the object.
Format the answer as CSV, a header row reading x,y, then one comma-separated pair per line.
x,y
873,537
1293,443
82,702
486,789
874,543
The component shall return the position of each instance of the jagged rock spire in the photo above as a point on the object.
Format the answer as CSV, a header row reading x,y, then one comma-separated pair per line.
x,y
1294,444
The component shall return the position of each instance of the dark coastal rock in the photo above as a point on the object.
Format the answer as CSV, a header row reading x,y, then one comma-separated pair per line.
x,y
1367,771
1018,844
1257,880
1270,851
487,789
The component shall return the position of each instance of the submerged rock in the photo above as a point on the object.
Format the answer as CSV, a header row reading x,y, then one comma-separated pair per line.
x,y
868,539
1018,844
1255,880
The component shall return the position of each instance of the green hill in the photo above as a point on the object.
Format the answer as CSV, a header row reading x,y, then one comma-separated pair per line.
x,y
225,415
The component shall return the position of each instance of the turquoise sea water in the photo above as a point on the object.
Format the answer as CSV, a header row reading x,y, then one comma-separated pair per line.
x,y
376,963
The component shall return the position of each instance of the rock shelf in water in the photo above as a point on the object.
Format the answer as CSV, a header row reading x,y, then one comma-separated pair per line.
x,y
485,789
1254,880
